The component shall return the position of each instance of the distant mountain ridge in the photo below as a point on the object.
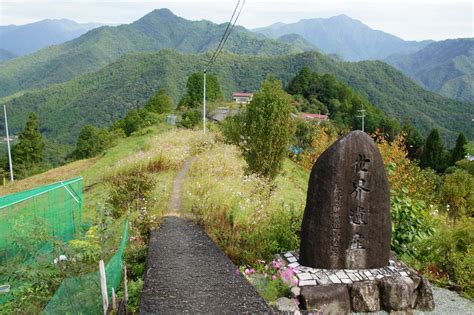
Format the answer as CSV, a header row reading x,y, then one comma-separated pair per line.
x,y
101,46
446,67
28,38
102,97
346,37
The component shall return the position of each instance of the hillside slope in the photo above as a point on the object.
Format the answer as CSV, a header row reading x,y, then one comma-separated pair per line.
x,y
446,67
94,50
102,97
6,55
341,35
28,38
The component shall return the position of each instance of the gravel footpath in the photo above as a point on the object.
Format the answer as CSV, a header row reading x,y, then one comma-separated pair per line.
x,y
187,272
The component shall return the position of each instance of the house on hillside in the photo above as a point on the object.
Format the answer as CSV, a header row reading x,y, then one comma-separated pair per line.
x,y
314,117
242,98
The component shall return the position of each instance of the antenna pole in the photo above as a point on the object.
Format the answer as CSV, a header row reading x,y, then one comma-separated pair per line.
x,y
204,104
362,115
8,144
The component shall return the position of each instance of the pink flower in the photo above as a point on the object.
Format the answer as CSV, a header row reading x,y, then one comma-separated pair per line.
x,y
237,271
274,277
276,264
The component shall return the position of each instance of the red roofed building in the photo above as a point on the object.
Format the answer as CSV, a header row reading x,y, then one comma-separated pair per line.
x,y
242,97
314,116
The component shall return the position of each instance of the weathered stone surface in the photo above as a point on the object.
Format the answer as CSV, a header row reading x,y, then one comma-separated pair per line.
x,y
329,299
365,297
398,293
347,223
284,304
424,300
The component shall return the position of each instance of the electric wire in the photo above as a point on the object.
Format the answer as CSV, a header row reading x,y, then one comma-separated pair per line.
x,y
225,36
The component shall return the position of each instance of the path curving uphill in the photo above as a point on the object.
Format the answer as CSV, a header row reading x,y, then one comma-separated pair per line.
x,y
187,272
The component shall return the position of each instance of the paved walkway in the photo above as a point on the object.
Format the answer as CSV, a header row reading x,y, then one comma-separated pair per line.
x,y
187,272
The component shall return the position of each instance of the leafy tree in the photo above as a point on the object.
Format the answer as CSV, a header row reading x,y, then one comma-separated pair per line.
x,y
194,93
457,194
268,129
413,139
27,153
433,154
459,151
160,103
91,142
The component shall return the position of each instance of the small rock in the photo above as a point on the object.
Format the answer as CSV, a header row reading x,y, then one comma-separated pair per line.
x,y
284,304
329,299
365,297
398,293
295,291
424,300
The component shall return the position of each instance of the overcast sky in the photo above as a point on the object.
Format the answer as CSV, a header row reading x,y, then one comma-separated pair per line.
x,y
408,19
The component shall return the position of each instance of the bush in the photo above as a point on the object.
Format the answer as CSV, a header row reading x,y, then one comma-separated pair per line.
x,y
129,190
410,223
448,256
191,118
457,194
160,103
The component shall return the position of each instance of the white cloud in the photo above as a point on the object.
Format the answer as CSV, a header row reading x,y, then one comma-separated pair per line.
x,y
409,19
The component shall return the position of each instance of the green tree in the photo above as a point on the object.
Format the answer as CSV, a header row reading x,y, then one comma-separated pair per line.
x,y
413,139
268,129
457,194
459,151
194,92
160,103
433,154
91,142
27,153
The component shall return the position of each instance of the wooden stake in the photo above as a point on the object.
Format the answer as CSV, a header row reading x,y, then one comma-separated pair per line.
x,y
114,300
125,285
103,286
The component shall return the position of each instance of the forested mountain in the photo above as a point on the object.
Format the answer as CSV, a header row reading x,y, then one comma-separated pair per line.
x,y
446,67
28,38
101,46
6,55
102,97
341,35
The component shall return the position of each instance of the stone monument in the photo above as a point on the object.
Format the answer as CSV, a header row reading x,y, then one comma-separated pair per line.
x,y
345,264
347,222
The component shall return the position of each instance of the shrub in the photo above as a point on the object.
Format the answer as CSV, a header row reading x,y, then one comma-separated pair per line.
x,y
457,194
129,190
410,223
191,118
160,103
92,141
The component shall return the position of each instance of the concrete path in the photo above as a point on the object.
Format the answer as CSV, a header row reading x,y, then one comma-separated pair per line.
x,y
188,273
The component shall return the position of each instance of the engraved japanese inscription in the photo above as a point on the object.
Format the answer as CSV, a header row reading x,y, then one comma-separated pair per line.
x,y
347,221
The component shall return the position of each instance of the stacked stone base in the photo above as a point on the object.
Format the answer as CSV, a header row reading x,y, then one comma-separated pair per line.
x,y
392,288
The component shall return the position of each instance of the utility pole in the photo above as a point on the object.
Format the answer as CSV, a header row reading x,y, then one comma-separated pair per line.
x,y
362,115
204,105
8,143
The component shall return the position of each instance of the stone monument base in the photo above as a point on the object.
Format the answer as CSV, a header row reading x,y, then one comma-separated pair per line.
x,y
393,288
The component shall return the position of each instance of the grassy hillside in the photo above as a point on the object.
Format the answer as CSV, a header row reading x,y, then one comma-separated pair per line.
x,y
446,67
97,48
102,97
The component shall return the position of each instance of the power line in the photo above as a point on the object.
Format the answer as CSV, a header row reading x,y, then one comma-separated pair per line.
x,y
225,36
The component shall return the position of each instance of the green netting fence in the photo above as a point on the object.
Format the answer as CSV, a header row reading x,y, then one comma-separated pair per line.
x,y
56,207
82,294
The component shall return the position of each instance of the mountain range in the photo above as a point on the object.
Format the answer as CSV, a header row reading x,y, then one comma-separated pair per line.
x,y
97,77
26,39
446,67
101,46
348,38
102,97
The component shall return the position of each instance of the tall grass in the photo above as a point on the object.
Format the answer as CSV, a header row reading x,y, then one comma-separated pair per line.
x,y
247,216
